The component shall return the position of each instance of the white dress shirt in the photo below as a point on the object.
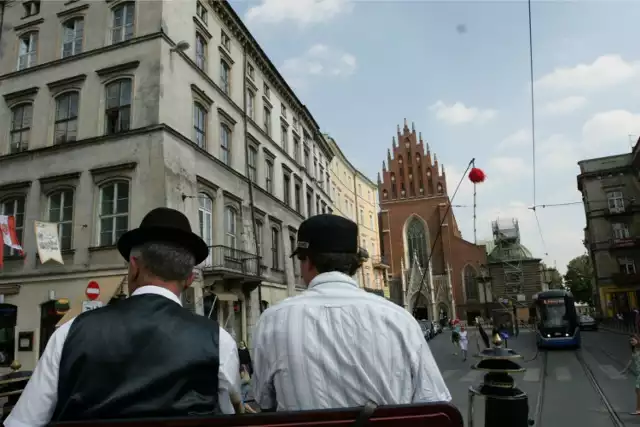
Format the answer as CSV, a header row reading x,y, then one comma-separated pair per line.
x,y
39,398
337,346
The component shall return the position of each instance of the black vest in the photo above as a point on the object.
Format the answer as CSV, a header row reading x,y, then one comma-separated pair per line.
x,y
145,356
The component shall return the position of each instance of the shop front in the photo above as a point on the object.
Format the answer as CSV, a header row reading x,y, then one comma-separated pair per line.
x,y
618,300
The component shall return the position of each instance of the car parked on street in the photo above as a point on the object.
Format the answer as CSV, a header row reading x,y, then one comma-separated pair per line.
x,y
588,323
427,329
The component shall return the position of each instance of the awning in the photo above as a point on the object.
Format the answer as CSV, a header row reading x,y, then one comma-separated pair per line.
x,y
9,289
225,296
108,288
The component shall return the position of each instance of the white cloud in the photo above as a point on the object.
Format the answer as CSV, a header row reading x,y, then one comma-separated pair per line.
x,y
508,167
302,12
606,71
319,61
518,139
557,153
609,132
458,113
565,105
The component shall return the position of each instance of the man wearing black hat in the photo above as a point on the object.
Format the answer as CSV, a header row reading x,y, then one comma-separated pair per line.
x,y
145,356
335,345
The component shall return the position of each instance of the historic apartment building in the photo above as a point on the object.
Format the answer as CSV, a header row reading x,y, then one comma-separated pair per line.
x,y
611,194
354,197
112,108
413,202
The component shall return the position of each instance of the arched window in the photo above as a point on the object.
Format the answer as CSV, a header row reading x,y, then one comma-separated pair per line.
x,y
28,50
225,144
14,207
122,22
417,243
66,122
72,35
471,283
60,211
21,119
118,106
114,212
200,124
231,227
205,218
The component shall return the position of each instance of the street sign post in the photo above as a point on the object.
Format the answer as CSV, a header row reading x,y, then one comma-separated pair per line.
x,y
93,290
91,305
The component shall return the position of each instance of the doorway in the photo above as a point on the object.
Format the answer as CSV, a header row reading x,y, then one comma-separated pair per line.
x,y
8,320
49,318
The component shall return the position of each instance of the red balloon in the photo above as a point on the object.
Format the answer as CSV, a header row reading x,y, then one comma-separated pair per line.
x,y
477,175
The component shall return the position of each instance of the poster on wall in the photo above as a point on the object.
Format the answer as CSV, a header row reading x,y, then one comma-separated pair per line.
x,y
48,242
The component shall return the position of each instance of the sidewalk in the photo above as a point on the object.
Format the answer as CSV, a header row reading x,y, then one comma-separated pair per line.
x,y
616,327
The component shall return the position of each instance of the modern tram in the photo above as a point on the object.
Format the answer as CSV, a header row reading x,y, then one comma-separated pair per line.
x,y
556,320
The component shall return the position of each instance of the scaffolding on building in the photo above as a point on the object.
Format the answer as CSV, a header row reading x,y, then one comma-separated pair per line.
x,y
506,238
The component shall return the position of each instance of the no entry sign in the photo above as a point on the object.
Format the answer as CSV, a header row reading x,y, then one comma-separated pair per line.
x,y
93,290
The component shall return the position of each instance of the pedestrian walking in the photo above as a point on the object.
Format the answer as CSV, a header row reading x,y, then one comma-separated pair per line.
x,y
336,345
464,342
455,337
245,356
634,364
137,358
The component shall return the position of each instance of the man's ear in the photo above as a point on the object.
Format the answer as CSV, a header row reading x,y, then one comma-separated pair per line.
x,y
189,280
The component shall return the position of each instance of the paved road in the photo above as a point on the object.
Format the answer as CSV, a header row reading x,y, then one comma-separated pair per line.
x,y
556,381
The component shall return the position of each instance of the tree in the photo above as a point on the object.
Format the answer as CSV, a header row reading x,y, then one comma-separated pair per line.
x,y
579,278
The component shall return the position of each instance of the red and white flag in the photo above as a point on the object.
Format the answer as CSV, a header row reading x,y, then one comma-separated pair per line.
x,y
9,235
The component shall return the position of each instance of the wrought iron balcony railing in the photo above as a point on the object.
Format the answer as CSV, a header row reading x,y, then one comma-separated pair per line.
x,y
235,260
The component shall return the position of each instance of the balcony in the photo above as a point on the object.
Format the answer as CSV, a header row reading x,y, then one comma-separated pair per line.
x,y
630,242
381,262
624,279
618,210
230,263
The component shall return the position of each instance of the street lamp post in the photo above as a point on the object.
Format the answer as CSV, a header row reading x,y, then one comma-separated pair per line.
x,y
485,279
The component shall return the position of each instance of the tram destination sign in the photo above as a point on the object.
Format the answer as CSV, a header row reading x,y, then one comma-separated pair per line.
x,y
554,301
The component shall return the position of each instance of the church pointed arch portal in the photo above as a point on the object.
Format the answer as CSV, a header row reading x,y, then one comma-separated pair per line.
x,y
420,306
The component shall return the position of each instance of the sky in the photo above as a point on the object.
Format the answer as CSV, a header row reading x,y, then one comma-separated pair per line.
x,y
460,71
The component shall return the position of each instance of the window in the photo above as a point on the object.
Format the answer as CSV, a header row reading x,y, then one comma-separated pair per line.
x,y
72,35
296,148
225,41
283,110
269,176
252,162
298,196
28,51
627,266
225,73
201,52
615,201
620,231
417,243
251,105
14,207
307,160
122,25
284,138
286,188
21,117
471,283
295,123
61,212
275,248
201,11
371,221
230,226
267,120
267,91
309,204
200,125
361,216
259,232
205,218
31,8
66,123
225,145
114,212
251,71
118,111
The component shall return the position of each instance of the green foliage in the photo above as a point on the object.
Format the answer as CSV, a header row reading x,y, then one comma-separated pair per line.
x,y
579,278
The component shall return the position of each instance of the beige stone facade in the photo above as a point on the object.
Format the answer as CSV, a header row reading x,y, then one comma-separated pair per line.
x,y
107,113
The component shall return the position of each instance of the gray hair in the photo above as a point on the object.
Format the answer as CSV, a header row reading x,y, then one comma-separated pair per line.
x,y
166,261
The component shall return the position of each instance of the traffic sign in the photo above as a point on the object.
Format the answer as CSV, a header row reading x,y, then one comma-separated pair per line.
x,y
91,305
93,290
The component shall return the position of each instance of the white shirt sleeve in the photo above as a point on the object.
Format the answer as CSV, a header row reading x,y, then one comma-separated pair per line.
x,y
263,388
228,373
39,398
428,384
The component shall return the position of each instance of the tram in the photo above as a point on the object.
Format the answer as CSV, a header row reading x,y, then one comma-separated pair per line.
x,y
556,320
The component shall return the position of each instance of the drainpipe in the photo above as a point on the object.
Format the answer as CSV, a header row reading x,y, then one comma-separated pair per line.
x,y
250,182
355,193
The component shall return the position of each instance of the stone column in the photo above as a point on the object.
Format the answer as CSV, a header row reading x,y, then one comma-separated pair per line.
x,y
218,221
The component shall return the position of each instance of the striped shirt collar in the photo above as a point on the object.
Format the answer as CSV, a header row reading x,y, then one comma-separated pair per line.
x,y
333,278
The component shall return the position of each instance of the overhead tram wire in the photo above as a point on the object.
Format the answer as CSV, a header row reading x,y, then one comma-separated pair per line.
x,y
439,233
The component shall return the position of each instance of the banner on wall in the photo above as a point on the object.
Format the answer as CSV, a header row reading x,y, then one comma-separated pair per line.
x,y
48,242
9,235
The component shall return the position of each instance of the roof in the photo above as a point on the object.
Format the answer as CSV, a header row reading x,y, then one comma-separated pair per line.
x,y
509,252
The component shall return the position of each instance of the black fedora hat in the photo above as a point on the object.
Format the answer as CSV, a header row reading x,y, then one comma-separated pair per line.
x,y
164,225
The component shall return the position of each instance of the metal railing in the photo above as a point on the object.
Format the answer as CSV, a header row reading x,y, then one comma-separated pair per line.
x,y
225,257
380,260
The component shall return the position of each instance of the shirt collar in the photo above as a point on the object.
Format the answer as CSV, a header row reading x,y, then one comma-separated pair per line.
x,y
157,290
333,278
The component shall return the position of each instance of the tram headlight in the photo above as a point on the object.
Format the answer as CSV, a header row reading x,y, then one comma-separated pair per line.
x,y
548,335
566,335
